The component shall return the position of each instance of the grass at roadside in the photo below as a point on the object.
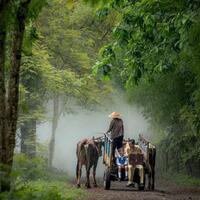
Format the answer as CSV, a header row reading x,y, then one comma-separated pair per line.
x,y
182,179
44,190
32,179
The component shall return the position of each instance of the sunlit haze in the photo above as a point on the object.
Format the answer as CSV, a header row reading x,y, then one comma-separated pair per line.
x,y
83,124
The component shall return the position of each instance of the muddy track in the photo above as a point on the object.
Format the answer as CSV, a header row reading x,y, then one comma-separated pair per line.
x,y
119,191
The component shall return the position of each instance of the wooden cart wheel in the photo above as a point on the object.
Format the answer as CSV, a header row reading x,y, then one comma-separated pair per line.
x,y
106,180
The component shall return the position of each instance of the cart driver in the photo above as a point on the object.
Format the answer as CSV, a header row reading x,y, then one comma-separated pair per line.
x,y
116,130
134,149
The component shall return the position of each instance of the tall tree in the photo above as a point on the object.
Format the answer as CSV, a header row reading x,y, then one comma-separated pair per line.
x,y
36,75
9,104
11,109
3,9
74,37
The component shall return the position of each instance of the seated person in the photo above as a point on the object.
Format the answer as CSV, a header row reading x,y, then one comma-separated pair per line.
x,y
122,162
134,149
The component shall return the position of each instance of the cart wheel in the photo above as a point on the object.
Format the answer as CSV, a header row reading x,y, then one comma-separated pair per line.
x,y
106,179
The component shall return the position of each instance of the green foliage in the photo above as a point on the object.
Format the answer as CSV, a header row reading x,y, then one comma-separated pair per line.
x,y
149,29
182,179
97,3
73,44
35,8
32,180
43,190
61,63
36,83
26,169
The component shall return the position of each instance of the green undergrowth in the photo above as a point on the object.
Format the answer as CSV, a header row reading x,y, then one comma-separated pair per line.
x,y
44,190
182,179
33,180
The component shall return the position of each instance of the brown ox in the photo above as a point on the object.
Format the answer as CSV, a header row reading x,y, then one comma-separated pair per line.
x,y
150,151
87,152
152,162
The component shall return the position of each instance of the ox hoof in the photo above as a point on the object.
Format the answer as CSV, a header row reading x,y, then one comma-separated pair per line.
x,y
78,185
87,185
95,185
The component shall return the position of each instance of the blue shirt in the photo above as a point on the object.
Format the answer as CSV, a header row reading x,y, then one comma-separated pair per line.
x,y
122,160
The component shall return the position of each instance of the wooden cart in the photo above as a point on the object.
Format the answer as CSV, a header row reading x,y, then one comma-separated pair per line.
x,y
111,170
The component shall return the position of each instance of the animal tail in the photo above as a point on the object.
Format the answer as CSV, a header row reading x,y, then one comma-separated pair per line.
x,y
77,169
79,148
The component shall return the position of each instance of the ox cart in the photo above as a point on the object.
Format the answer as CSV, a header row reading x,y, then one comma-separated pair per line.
x,y
111,170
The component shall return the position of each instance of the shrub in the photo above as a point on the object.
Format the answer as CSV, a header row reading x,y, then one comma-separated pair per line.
x,y
43,190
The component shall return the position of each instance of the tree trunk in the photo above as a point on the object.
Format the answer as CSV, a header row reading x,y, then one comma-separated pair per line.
x,y
28,138
8,142
177,161
28,129
166,162
2,81
3,8
54,126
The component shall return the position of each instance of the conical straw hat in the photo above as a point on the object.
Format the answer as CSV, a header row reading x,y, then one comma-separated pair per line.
x,y
115,115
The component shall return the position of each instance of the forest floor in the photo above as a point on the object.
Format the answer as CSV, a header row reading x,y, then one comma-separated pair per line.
x,y
164,191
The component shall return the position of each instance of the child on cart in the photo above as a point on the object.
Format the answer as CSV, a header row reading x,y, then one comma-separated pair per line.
x,y
122,163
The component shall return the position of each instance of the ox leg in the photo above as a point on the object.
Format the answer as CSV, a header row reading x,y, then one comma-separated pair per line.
x,y
94,175
78,174
153,180
87,184
149,179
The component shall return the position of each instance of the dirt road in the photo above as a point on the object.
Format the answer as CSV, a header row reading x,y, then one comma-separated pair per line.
x,y
165,191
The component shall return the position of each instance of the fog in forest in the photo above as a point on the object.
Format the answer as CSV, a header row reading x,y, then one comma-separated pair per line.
x,y
84,124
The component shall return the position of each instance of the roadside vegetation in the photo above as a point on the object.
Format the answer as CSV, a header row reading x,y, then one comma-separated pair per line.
x,y
33,179
182,180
